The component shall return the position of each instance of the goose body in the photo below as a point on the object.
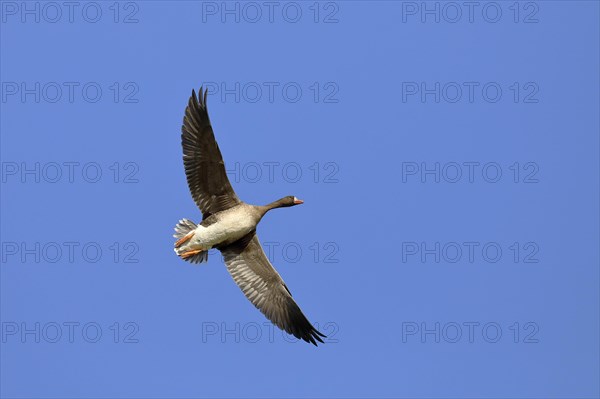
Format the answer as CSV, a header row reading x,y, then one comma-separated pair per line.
x,y
222,228
229,225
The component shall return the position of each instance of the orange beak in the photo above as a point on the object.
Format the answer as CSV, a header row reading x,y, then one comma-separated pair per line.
x,y
298,201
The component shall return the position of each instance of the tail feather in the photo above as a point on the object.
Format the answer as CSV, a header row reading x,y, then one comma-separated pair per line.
x,y
181,229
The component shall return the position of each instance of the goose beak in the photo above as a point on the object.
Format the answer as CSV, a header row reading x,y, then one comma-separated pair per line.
x,y
298,201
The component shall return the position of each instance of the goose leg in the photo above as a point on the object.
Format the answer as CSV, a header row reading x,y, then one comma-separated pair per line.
x,y
187,254
184,239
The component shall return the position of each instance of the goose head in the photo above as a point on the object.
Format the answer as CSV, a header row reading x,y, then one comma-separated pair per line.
x,y
290,200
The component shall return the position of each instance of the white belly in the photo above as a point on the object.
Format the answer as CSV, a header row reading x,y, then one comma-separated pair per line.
x,y
232,228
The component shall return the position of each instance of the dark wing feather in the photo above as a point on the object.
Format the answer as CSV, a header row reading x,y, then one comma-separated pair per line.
x,y
204,166
253,273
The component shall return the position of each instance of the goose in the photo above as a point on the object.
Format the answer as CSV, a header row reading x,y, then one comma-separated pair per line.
x,y
229,225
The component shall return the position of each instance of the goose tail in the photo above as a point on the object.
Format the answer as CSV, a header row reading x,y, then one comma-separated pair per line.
x,y
184,231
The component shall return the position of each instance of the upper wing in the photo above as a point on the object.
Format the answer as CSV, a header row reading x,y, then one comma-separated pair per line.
x,y
202,160
262,285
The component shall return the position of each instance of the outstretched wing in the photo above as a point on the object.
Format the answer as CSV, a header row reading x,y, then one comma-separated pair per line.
x,y
253,273
204,166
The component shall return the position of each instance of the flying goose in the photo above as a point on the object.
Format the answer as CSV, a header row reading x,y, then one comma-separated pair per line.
x,y
229,225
